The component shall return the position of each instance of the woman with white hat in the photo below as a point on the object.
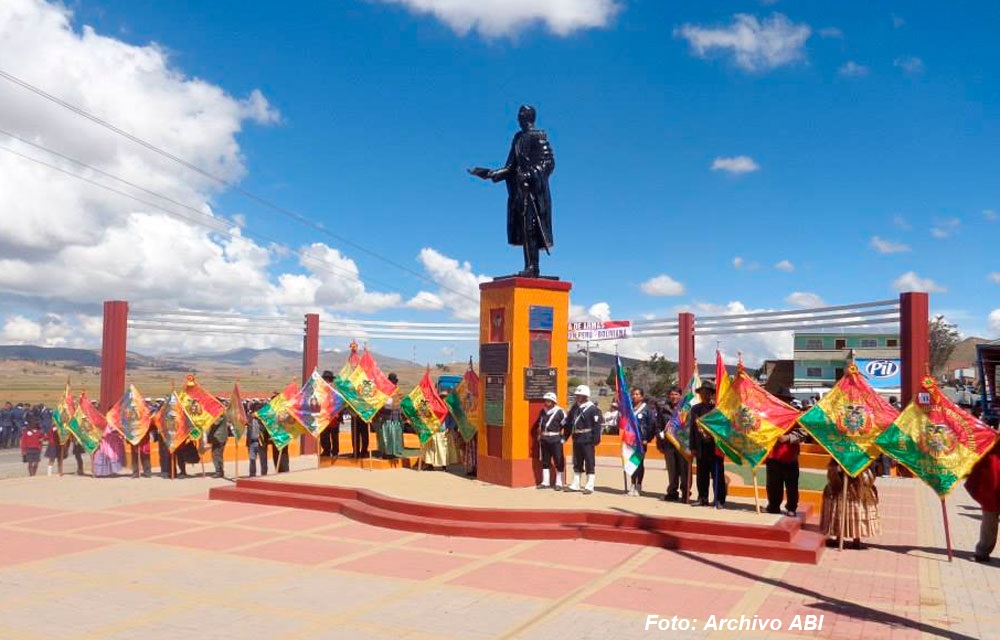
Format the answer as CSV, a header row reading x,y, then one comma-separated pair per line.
x,y
549,431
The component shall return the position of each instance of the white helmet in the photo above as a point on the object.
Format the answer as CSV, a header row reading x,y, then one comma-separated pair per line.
x,y
582,390
551,396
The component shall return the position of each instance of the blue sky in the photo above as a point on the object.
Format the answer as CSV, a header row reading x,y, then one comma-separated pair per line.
x,y
855,145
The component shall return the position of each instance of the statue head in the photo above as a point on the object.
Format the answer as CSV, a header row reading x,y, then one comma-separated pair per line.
x,y
526,116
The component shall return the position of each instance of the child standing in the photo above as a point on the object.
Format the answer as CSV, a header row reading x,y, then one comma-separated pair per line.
x,y
31,443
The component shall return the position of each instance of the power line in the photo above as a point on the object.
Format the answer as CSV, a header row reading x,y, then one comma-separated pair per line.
x,y
227,183
214,225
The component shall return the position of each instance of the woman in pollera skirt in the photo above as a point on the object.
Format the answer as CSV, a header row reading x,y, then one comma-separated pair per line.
x,y
862,519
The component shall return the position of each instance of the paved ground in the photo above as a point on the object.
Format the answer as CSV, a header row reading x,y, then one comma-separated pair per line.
x,y
120,558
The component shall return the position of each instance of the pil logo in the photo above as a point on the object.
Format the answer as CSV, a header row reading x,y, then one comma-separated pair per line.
x,y
881,368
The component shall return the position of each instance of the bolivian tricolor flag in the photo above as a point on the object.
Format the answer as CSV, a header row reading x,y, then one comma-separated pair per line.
x,y
278,418
375,374
172,423
425,410
63,414
748,421
936,440
316,404
201,407
848,419
87,424
130,416
463,403
361,393
722,379
236,413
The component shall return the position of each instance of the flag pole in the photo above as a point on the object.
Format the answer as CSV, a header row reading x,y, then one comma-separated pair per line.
x,y
947,529
172,466
843,512
756,499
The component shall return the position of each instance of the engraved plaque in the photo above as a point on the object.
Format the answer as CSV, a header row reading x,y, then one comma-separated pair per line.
x,y
541,348
494,358
494,394
538,381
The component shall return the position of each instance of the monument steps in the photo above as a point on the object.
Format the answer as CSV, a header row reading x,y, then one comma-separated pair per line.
x,y
784,541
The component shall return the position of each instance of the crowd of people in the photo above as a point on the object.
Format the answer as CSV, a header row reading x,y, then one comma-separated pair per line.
x,y
583,424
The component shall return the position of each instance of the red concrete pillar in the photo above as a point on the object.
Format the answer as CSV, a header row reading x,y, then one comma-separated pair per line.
x,y
915,342
310,360
113,345
685,347
310,346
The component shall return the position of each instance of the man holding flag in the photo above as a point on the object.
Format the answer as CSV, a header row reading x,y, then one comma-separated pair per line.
x,y
711,464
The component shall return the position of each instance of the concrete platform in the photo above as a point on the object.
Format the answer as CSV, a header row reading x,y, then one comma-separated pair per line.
x,y
447,504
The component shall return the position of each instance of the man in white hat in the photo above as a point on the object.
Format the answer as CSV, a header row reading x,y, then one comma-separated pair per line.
x,y
548,429
584,421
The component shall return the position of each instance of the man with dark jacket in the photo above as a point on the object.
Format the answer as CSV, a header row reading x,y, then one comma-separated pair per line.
x,y
218,433
584,423
783,472
677,464
711,463
548,430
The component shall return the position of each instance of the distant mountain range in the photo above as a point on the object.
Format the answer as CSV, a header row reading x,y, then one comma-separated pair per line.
x,y
250,358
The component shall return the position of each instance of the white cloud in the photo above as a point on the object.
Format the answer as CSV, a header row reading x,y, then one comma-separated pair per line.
x,y
600,310
662,285
910,281
994,322
425,300
785,265
51,330
805,299
90,244
852,69
945,228
888,246
990,215
737,262
900,221
505,18
831,32
740,263
753,45
735,165
911,65
459,285
995,277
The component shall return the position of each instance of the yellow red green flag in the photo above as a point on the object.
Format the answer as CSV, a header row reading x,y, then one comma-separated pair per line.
x,y
279,419
748,420
424,409
847,421
130,416
936,440
463,403
201,407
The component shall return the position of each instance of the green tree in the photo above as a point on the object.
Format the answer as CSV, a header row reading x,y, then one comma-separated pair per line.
x,y
944,337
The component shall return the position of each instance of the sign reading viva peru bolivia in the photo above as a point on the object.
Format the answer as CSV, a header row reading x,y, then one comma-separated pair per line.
x,y
600,330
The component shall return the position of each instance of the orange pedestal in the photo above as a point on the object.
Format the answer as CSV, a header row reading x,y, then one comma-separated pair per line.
x,y
523,353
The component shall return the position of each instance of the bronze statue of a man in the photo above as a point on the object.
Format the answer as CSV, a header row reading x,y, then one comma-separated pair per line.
x,y
529,204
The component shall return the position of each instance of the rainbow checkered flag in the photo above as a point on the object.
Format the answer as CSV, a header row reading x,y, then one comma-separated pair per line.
x,y
936,440
676,429
316,404
633,445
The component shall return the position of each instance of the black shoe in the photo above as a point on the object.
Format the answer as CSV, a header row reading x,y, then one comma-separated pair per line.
x,y
147,474
134,475
791,513
978,558
218,475
669,498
